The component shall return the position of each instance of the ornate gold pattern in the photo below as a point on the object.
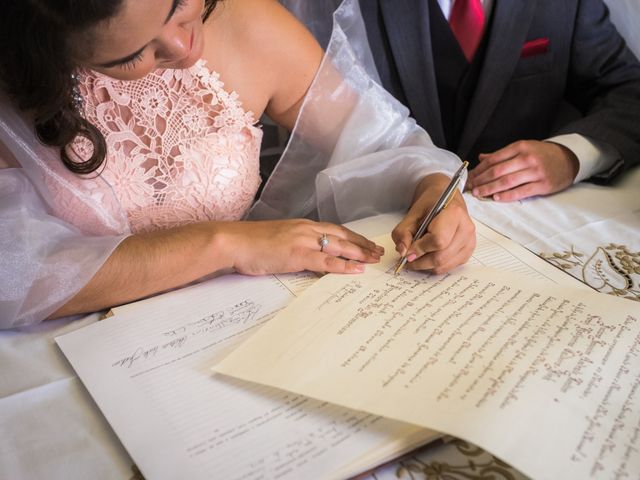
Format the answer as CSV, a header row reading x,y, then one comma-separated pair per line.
x,y
612,269
487,468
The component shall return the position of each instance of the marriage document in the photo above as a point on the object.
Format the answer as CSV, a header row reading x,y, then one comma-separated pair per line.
x,y
148,370
545,377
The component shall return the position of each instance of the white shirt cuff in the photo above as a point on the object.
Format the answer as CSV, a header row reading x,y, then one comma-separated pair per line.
x,y
594,156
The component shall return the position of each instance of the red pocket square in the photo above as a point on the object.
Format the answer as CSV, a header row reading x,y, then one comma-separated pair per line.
x,y
538,46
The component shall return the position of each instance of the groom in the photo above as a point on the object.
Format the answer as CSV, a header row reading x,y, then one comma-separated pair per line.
x,y
487,79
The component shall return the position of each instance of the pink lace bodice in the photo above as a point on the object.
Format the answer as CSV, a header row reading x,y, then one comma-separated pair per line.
x,y
180,148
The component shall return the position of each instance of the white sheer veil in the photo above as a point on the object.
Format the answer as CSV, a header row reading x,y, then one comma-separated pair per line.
x,y
45,259
354,151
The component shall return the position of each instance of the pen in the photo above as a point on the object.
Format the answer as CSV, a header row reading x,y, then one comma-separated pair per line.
x,y
440,205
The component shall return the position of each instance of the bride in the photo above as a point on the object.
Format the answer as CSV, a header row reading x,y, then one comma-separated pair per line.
x,y
146,158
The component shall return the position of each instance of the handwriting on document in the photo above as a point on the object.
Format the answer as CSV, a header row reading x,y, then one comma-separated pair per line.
x,y
238,315
516,337
455,351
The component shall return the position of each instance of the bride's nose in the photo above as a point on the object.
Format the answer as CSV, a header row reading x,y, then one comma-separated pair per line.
x,y
175,44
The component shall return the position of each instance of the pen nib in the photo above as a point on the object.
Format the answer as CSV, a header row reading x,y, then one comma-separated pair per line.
x,y
399,266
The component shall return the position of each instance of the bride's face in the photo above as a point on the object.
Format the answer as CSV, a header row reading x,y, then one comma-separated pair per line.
x,y
146,35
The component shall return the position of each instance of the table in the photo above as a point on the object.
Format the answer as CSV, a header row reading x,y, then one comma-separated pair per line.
x,y
52,429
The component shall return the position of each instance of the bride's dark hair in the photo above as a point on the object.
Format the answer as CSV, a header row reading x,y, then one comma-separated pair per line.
x,y
36,67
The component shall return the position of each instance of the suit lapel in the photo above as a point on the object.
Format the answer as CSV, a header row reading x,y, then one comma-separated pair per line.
x,y
510,24
410,41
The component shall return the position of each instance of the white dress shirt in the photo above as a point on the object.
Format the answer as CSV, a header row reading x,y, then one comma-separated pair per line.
x,y
594,156
447,5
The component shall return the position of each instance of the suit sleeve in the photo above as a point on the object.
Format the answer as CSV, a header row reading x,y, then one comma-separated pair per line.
x,y
604,84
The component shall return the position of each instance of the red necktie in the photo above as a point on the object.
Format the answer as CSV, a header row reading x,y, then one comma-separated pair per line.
x,y
467,23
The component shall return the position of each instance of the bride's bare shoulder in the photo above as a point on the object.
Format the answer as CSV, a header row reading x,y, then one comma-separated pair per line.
x,y
261,41
261,30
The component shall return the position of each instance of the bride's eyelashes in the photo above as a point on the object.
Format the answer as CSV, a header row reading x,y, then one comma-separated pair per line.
x,y
131,63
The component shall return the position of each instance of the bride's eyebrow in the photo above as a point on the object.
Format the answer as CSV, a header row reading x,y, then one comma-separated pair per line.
x,y
174,7
128,58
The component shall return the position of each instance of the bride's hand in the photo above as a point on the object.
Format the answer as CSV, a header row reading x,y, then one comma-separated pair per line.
x,y
281,246
450,238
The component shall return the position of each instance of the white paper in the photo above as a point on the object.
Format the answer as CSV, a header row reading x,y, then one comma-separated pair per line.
x,y
545,377
148,370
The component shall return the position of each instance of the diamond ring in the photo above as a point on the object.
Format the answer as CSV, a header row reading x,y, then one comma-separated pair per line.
x,y
324,241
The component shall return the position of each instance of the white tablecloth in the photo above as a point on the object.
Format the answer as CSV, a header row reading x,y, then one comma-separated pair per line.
x,y
50,426
52,429
592,232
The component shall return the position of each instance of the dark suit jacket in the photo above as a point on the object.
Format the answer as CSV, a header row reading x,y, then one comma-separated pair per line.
x,y
518,97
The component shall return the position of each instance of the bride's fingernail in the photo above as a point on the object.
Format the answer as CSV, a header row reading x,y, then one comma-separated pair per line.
x,y
412,257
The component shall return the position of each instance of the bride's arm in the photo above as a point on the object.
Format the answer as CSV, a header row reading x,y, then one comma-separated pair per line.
x,y
270,59
283,59
352,119
144,264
